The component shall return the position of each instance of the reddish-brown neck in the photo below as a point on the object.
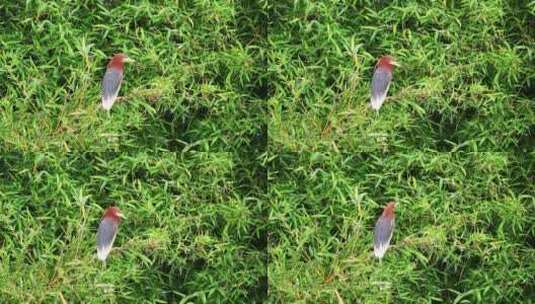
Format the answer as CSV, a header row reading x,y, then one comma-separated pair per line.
x,y
116,62
389,210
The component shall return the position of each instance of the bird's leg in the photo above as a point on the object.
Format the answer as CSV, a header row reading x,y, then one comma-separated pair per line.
x,y
103,265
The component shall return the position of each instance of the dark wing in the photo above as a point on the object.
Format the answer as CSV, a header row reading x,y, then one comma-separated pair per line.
x,y
382,235
107,230
380,83
111,83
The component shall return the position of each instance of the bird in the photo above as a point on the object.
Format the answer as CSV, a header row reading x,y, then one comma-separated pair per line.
x,y
111,83
384,229
107,231
382,77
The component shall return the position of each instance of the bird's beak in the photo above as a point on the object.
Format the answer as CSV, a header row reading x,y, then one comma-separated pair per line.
x,y
128,60
119,214
395,63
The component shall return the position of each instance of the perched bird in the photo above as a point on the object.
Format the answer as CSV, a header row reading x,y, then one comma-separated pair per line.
x,y
381,81
107,231
111,83
383,230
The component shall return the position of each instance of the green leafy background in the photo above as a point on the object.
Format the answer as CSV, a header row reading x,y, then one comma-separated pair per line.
x,y
247,161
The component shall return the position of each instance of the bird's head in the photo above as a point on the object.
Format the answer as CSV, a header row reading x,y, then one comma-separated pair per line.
x,y
113,213
387,62
118,60
122,57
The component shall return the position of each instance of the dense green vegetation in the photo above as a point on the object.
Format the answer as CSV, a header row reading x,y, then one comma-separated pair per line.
x,y
178,154
247,161
192,228
453,145
466,83
193,87
465,228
